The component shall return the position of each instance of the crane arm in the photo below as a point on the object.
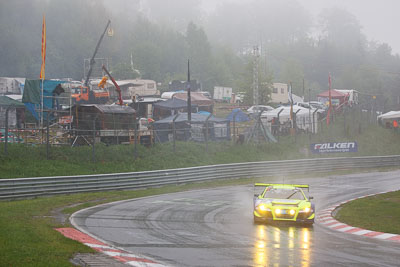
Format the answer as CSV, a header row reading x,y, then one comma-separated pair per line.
x,y
116,86
94,54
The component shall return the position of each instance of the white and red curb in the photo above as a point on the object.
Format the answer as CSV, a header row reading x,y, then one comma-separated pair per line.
x,y
325,218
117,254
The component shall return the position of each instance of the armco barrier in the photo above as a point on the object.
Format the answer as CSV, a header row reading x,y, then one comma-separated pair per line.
x,y
33,187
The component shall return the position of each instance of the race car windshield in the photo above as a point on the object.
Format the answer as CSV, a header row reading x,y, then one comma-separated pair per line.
x,y
283,193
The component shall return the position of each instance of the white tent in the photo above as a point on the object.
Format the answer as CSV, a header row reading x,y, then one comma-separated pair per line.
x,y
353,95
390,115
168,95
296,98
305,119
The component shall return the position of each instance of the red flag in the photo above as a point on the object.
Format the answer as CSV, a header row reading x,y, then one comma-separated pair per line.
x,y
43,49
330,101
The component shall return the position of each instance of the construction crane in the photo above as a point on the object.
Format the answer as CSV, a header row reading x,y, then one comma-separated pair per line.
x,y
92,61
116,86
84,94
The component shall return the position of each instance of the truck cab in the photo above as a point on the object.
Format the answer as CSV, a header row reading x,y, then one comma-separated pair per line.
x,y
80,94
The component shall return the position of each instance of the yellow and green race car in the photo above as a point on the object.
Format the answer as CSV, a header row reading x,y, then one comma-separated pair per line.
x,y
282,202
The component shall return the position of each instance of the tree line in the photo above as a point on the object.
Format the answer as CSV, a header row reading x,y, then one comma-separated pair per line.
x,y
162,35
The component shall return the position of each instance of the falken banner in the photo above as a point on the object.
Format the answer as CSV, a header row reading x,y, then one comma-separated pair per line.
x,y
336,147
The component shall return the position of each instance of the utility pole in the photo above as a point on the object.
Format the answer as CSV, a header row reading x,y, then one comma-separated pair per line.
x,y
255,76
310,126
189,100
265,60
256,56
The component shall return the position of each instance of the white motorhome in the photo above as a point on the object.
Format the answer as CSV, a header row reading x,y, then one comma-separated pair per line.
x,y
11,85
222,93
352,95
131,88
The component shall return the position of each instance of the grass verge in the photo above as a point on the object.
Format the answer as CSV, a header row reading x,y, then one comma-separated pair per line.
x,y
379,213
30,161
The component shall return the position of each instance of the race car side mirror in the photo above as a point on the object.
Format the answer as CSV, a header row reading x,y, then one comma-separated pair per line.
x,y
255,195
310,197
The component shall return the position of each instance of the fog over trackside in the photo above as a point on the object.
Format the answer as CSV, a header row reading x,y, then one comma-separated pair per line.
x,y
377,18
353,40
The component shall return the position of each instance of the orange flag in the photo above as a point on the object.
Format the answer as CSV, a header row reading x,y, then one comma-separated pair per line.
x,y
43,48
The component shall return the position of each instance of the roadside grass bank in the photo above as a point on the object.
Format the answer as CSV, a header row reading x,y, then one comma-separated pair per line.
x,y
30,161
28,238
379,213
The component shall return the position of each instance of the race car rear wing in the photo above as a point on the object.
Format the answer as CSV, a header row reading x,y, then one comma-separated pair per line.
x,y
292,185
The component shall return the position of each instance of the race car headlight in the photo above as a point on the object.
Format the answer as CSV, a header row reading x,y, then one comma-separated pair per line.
x,y
305,210
292,212
278,211
263,207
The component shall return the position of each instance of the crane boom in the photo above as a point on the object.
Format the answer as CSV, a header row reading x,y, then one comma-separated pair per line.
x,y
116,86
94,54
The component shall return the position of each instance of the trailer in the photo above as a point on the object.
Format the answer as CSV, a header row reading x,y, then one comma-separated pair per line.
x,y
223,94
109,124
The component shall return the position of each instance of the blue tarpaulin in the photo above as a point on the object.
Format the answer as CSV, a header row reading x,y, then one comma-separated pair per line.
x,y
240,116
32,96
204,112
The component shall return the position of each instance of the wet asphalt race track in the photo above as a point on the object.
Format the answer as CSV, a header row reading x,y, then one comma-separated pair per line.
x,y
214,227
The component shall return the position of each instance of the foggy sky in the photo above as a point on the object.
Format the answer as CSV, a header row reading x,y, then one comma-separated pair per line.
x,y
379,18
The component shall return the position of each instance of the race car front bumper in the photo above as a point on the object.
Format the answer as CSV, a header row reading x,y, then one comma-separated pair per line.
x,y
269,216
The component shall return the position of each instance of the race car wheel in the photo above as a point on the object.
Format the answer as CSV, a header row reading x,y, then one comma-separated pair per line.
x,y
309,223
256,220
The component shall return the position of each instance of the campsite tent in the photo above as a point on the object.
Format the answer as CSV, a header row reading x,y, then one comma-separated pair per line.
x,y
337,97
305,119
239,115
296,98
351,94
198,99
390,115
387,118
218,128
170,107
